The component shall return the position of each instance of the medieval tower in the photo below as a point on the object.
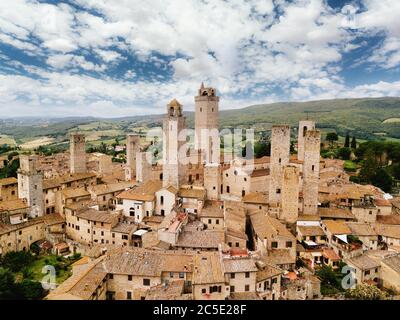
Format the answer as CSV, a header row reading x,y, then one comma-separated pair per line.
x,y
212,180
312,146
206,124
30,184
304,126
174,155
132,147
77,153
143,165
280,153
290,194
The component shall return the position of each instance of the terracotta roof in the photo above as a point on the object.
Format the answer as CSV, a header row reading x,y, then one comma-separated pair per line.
x,y
382,202
256,197
308,217
244,296
259,173
208,269
75,193
387,230
8,181
363,262
337,213
361,229
393,262
101,189
266,271
280,257
212,209
269,228
330,254
144,192
11,205
171,291
201,239
123,227
390,219
232,265
310,230
337,227
98,216
198,193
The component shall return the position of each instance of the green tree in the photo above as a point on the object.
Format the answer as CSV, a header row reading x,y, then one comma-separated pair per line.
x,y
353,143
344,153
30,290
347,141
7,286
382,179
332,137
369,167
396,171
16,261
366,292
261,149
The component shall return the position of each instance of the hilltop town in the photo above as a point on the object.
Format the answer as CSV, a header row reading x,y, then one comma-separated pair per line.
x,y
217,226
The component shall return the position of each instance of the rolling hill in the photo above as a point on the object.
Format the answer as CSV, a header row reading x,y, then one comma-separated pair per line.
x,y
366,118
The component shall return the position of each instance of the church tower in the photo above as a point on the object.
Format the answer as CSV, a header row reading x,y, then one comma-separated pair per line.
x,y
174,155
207,124
30,184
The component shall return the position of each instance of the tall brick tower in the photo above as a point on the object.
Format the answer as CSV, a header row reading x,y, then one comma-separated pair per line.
x,y
290,194
280,153
207,124
77,153
304,126
312,146
132,147
174,167
30,184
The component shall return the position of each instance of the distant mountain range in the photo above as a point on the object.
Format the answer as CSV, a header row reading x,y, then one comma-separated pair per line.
x,y
366,118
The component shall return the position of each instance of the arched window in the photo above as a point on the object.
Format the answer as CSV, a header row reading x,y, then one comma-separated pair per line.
x,y
132,211
304,131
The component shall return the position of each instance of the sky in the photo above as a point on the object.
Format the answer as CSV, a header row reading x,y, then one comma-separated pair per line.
x,y
108,58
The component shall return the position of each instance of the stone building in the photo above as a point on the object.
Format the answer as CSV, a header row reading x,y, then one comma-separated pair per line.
x,y
132,147
312,146
280,152
206,124
30,185
77,153
212,180
8,189
290,194
174,155
304,126
143,166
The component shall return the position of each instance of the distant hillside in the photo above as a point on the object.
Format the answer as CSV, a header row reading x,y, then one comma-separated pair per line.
x,y
366,118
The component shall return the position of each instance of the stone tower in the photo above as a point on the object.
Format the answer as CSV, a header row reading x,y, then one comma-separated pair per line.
x,y
132,147
312,146
212,180
280,153
77,153
304,126
30,184
207,124
290,194
174,155
143,166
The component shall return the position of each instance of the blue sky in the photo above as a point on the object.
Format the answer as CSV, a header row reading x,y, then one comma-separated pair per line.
x,y
114,58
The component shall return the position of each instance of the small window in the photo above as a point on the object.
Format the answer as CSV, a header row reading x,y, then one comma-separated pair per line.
x,y
146,282
129,278
232,276
129,295
247,274
274,244
246,287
